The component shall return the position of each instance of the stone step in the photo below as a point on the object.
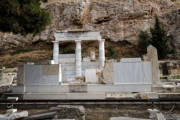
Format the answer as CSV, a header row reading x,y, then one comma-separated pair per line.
x,y
68,72
67,55
67,60
64,96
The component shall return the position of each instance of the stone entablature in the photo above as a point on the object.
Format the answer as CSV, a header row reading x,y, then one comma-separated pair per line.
x,y
77,35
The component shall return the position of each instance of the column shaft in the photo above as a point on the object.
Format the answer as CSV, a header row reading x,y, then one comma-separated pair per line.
x,y
101,53
78,59
56,52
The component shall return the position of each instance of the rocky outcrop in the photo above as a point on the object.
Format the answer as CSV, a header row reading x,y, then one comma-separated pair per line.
x,y
117,20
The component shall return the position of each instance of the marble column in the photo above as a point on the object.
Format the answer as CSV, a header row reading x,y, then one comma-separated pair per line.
x,y
56,52
101,53
78,59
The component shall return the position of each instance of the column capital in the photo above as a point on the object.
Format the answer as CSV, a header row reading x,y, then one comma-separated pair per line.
x,y
77,41
55,41
102,40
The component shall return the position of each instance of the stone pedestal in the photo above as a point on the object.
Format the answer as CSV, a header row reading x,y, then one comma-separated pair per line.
x,y
78,59
101,53
56,52
93,55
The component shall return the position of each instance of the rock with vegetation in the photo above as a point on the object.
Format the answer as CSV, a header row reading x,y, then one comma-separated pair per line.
x,y
117,20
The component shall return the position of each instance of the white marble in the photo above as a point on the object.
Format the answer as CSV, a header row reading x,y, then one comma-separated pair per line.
x,y
126,60
56,52
42,74
78,59
71,36
93,55
101,53
90,76
132,73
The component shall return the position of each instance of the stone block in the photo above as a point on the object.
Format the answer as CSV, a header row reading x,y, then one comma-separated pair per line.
x,y
118,95
126,118
50,70
20,75
132,73
93,55
90,76
153,57
77,88
108,73
127,60
42,74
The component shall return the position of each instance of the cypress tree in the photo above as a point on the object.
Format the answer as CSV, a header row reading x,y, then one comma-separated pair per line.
x,y
159,39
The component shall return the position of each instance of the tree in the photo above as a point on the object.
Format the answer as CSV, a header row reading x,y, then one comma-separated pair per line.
x,y
143,41
159,39
23,16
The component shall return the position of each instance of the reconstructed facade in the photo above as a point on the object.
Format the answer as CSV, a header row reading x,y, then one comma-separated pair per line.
x,y
59,80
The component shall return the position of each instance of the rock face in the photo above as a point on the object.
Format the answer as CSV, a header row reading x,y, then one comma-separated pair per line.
x,y
117,20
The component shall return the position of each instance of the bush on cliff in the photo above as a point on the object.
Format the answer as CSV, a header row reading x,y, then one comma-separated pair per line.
x,y
158,38
23,16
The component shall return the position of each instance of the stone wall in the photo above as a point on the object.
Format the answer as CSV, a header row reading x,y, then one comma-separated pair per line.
x,y
38,75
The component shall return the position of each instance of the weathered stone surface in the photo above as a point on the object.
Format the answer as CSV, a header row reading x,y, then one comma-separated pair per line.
x,y
153,57
35,75
117,20
66,112
126,118
90,76
50,70
108,73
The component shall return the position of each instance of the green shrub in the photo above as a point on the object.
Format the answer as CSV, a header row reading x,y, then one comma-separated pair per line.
x,y
68,50
143,41
158,38
20,51
23,16
111,50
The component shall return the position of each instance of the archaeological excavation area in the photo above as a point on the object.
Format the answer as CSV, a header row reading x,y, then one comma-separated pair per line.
x,y
72,87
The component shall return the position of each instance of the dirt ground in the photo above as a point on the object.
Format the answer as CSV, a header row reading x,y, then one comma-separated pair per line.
x,y
104,112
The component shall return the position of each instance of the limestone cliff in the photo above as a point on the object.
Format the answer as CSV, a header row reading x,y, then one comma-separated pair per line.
x,y
117,20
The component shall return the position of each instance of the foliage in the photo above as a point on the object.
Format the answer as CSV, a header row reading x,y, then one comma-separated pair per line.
x,y
111,50
144,41
22,50
159,39
23,16
68,50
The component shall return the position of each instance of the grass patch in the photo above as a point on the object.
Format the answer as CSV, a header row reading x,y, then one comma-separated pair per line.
x,y
24,57
18,51
175,77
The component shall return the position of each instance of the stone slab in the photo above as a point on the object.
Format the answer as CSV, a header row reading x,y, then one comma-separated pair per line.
x,y
20,75
126,118
93,88
64,96
66,36
42,75
77,88
132,73
127,60
50,70
108,73
47,89
120,88
90,76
